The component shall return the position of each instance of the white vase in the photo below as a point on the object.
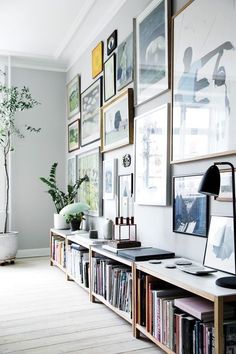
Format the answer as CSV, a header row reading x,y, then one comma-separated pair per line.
x,y
8,245
60,222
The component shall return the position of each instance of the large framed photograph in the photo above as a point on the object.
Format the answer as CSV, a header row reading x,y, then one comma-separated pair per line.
x,y
90,164
124,74
91,101
73,136
97,60
152,58
225,194
73,97
71,171
109,178
220,247
125,195
117,121
110,77
190,208
204,87
151,157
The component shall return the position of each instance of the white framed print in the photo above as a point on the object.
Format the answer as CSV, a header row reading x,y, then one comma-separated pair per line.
x,y
109,178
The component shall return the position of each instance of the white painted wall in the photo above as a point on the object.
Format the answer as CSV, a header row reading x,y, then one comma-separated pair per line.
x,y
32,209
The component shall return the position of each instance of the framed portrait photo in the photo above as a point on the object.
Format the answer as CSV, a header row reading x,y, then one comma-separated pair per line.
x,y
73,97
90,164
91,101
97,60
225,194
73,136
112,42
71,174
152,59
110,77
117,121
190,208
203,97
220,247
124,73
109,178
151,157
125,195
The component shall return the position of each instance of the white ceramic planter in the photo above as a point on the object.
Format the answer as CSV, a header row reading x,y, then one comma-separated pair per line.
x,y
8,245
60,222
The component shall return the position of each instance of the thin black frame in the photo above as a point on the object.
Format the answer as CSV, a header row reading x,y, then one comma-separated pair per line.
x,y
112,35
78,125
206,208
112,57
131,175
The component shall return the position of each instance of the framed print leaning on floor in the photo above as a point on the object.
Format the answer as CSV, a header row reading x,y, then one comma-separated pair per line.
x,y
204,87
152,57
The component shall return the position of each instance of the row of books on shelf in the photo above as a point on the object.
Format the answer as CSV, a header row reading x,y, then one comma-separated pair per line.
x,y
113,281
182,322
78,263
58,251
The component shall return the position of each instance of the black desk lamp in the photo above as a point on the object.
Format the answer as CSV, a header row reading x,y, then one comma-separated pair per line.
x,y
210,185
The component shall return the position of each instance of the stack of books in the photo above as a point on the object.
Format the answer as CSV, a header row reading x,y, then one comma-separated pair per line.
x,y
78,263
58,251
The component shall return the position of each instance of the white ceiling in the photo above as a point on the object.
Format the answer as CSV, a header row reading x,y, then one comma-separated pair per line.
x,y
51,33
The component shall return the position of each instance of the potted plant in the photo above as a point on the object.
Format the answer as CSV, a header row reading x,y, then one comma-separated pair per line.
x,y
74,214
75,220
12,100
60,198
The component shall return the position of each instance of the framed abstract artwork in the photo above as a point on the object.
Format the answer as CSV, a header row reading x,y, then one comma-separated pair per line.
x,y
73,97
112,42
225,194
220,247
71,174
124,73
90,164
73,136
151,157
152,58
125,195
91,101
117,121
190,208
204,81
109,178
97,60
110,77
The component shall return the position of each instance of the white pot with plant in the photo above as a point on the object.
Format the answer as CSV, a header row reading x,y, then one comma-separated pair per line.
x,y
74,214
12,100
60,198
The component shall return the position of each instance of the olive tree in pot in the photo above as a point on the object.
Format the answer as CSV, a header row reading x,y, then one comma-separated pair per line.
x,y
60,198
12,100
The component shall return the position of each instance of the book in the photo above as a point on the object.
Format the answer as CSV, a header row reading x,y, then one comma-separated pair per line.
x,y
196,306
142,254
113,249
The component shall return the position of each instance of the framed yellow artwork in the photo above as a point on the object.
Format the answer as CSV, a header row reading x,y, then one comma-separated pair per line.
x,y
97,59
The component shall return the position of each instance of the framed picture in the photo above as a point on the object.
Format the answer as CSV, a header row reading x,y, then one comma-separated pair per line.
x,y
124,74
117,121
112,42
225,194
90,164
190,208
220,247
203,81
91,101
151,157
73,136
71,176
125,195
152,72
97,60
110,77
109,178
73,97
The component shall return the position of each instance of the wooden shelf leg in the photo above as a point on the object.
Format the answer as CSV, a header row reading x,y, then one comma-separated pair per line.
x,y
136,332
218,323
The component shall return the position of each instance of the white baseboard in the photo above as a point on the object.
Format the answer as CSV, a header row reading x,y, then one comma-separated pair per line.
x,y
35,252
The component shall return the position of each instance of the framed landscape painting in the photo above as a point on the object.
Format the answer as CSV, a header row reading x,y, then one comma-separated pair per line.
x,y
73,97
152,58
73,136
204,87
90,164
117,121
109,178
91,101
124,74
110,77
151,157
190,208
97,60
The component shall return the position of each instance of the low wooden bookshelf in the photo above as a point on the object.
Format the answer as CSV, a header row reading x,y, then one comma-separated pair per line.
x,y
202,286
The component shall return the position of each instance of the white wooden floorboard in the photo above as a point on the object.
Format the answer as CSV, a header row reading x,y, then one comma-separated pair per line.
x,y
42,313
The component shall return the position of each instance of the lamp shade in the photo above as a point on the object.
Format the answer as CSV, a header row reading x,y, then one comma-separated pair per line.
x,y
210,183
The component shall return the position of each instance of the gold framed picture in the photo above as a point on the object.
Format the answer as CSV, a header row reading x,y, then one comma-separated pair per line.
x,y
97,60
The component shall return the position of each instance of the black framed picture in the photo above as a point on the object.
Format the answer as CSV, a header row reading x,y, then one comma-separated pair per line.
x,y
112,42
110,77
190,208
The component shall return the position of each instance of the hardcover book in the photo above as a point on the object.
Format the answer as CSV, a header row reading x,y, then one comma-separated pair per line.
x,y
145,254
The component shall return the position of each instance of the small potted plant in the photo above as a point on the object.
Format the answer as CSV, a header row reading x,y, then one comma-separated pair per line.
x,y
60,198
74,214
75,220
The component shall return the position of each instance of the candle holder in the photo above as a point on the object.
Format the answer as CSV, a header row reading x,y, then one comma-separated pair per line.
x,y
125,233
